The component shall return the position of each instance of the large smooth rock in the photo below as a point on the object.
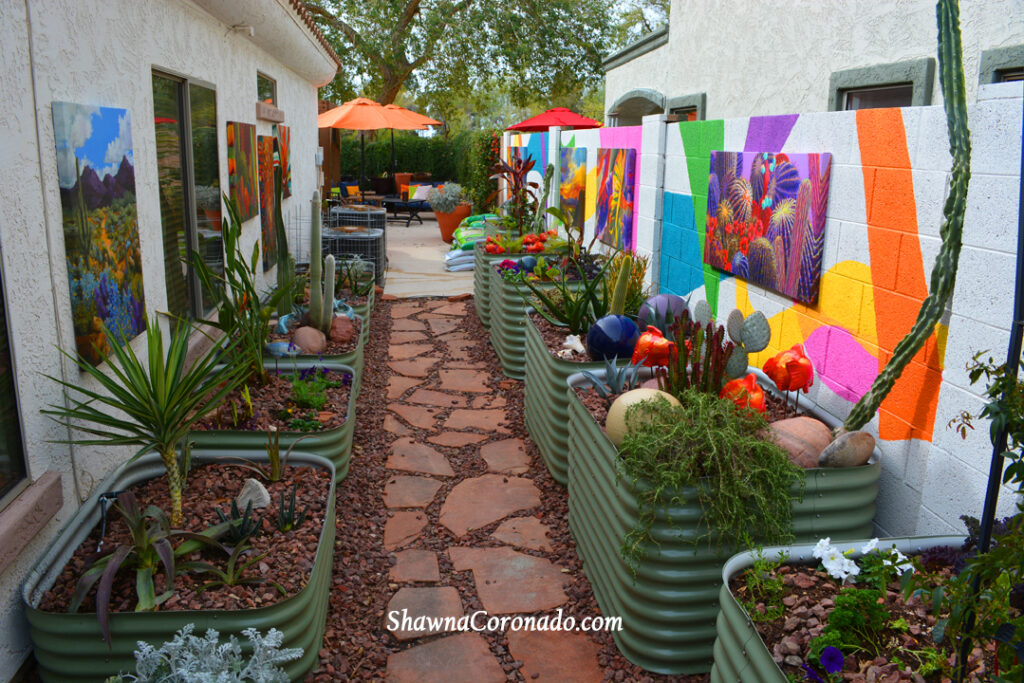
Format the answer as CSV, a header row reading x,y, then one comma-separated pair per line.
x,y
804,438
253,490
851,449
310,340
342,330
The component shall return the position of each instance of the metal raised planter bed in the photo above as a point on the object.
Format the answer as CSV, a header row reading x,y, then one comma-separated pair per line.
x,y
334,444
69,647
546,404
740,654
354,358
508,312
668,611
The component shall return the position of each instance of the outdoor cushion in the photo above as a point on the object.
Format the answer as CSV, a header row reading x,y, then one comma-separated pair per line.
x,y
421,192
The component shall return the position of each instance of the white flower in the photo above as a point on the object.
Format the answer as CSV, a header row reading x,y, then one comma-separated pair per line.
x,y
900,562
824,545
838,565
869,546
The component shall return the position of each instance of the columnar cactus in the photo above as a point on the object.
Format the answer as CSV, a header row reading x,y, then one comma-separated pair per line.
x,y
285,262
951,77
321,276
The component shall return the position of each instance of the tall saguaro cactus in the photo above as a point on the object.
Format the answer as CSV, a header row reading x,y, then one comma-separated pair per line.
x,y
951,77
321,275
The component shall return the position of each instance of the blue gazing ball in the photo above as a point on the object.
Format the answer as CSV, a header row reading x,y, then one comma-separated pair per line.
x,y
613,336
528,263
661,309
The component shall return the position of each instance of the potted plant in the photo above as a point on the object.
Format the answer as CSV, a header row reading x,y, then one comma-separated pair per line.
x,y
740,652
70,647
208,201
449,206
652,550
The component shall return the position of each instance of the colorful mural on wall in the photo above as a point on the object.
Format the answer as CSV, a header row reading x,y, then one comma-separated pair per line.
x,y
616,197
96,176
865,303
242,167
572,188
765,219
266,172
284,139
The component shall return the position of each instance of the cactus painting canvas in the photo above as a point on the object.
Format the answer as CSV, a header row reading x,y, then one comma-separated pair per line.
x,y
268,244
616,192
96,175
572,185
765,219
242,167
284,141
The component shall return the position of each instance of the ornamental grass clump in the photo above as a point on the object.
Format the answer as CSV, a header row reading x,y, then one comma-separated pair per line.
x,y
709,451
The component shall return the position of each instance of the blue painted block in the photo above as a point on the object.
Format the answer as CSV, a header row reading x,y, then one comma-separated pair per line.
x,y
696,278
684,213
678,275
664,279
671,241
689,248
669,204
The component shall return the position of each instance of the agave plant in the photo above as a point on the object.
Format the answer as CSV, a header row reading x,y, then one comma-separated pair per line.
x,y
617,379
149,403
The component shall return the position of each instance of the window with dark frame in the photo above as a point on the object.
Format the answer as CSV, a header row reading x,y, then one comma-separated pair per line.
x,y
881,97
185,117
1009,75
266,89
12,452
685,113
897,84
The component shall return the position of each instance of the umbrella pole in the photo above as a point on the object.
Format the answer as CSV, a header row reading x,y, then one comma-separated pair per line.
x,y
394,166
362,163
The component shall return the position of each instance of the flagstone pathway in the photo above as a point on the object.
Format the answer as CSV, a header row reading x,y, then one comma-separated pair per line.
x,y
435,387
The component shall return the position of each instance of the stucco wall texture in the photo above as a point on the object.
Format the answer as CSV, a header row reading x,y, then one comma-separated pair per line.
x,y
104,54
752,58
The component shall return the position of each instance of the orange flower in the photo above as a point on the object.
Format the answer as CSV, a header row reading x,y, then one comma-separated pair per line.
x,y
653,349
745,393
791,369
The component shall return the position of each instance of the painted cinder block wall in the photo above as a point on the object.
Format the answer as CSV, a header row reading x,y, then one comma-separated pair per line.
x,y
103,54
890,174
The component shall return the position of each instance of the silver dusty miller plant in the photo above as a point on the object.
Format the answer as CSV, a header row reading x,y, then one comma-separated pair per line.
x,y
191,659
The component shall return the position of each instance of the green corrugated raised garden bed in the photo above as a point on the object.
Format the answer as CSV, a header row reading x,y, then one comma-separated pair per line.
x,y
507,311
740,655
334,444
546,404
669,609
70,647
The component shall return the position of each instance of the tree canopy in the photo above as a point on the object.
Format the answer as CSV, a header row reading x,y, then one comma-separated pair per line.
x,y
453,48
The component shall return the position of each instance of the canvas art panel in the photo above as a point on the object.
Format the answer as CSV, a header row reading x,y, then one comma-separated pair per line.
x,y
616,193
96,176
572,188
765,219
284,138
242,167
265,146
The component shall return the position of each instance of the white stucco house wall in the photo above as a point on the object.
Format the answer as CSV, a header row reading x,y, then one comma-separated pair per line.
x,y
105,55
759,57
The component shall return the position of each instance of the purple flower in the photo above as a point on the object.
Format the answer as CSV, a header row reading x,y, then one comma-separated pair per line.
x,y
831,659
812,675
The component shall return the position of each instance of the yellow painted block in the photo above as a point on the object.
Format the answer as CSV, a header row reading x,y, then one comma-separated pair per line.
x,y
591,205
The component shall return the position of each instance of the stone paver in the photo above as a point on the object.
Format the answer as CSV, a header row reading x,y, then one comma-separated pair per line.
x,y
418,605
407,337
509,582
462,658
406,325
464,380
452,309
443,326
398,385
465,418
477,502
408,351
456,439
438,399
403,491
405,310
394,425
404,527
415,565
465,365
561,656
506,456
409,456
423,417
457,344
418,367
524,532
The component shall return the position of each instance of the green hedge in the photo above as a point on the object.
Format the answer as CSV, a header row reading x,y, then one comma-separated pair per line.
x,y
466,158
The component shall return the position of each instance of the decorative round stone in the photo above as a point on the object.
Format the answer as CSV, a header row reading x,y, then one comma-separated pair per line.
x,y
528,262
615,423
660,310
613,336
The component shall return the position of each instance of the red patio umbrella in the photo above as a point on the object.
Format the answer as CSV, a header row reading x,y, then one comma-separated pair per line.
x,y
559,116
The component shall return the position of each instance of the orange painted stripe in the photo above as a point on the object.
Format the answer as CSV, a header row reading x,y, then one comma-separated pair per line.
x,y
897,272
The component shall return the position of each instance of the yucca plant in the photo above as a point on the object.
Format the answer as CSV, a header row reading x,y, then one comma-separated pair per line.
x,y
151,403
